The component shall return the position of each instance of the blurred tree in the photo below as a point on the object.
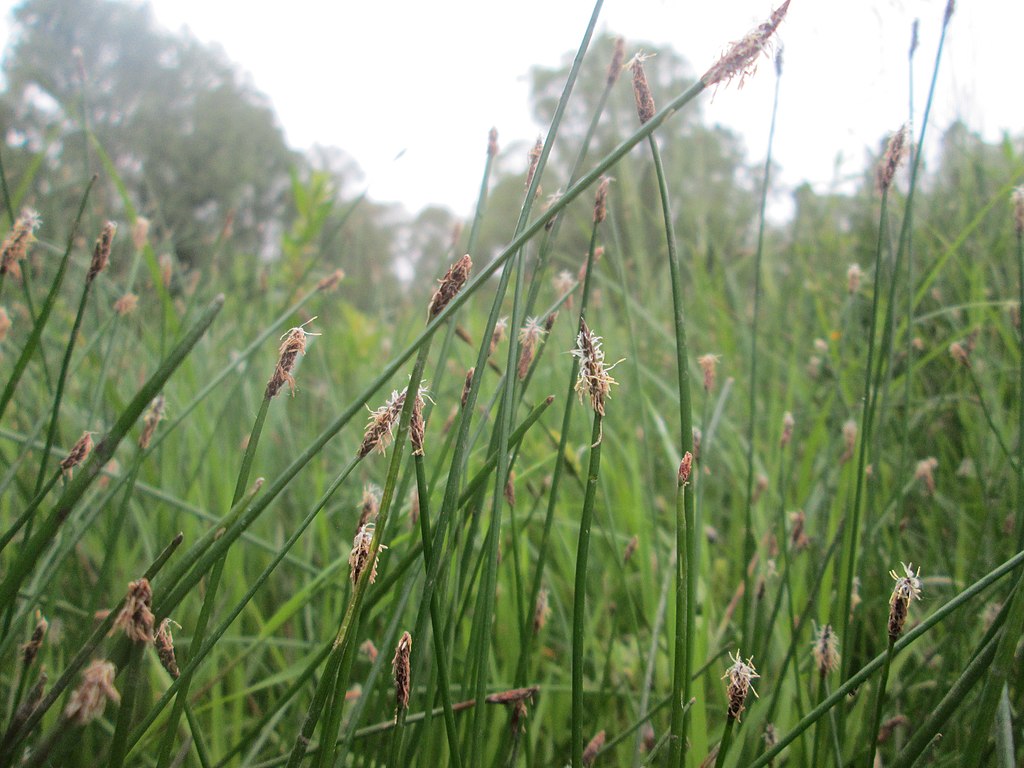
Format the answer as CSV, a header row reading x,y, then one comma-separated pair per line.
x,y
195,144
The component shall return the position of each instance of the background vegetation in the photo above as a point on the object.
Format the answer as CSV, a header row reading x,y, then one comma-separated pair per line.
x,y
888,326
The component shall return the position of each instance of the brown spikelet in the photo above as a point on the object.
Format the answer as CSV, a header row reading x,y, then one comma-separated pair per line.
x,y
101,252
510,489
886,729
534,159
630,550
685,469
154,415
400,668
126,304
594,380
601,200
925,472
895,151
740,60
497,335
906,589
740,675
331,282
417,426
32,701
30,650
849,440
529,336
370,505
825,650
90,698
164,643
708,366
450,285
294,344
5,323
380,431
466,386
360,555
641,89
541,611
797,537
959,353
369,649
16,245
615,65
549,321
492,142
136,618
166,269
79,452
140,232
788,423
593,748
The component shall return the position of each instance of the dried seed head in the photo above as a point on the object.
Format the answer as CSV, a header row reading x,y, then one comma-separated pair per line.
x,y
549,321
913,38
821,346
5,323
360,555
770,737
906,589
592,748
164,643
825,650
797,536
529,335
645,108
849,440
136,618
853,278
950,7
541,611
741,58
88,701
101,253
30,650
126,304
788,423
895,152
417,425
33,699
79,452
1018,210
293,345
615,65
685,469
19,239
370,504
708,365
497,335
601,200
740,675
380,431
450,285
594,380
140,233
154,415
400,668
959,353
925,472
331,282
534,160
492,142
467,385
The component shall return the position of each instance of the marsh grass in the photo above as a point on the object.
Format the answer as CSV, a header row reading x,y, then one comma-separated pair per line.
x,y
520,504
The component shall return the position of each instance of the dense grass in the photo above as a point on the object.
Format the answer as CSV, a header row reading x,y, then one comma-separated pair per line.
x,y
562,570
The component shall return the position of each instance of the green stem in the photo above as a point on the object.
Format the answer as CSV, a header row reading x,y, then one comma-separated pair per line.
x,y
876,722
579,618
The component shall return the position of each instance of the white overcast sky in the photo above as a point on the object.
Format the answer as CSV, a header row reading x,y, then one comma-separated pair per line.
x,y
432,77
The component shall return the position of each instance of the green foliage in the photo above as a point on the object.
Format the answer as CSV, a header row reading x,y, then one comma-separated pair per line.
x,y
506,482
